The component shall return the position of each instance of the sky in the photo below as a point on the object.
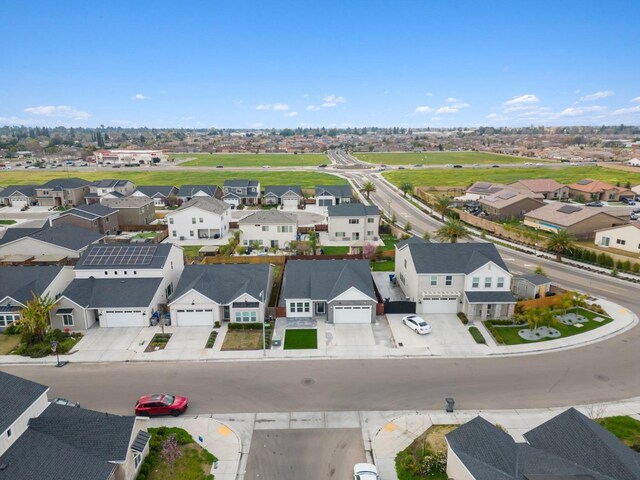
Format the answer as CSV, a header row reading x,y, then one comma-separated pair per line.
x,y
276,64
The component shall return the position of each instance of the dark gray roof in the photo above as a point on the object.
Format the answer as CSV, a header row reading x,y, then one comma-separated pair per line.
x,y
224,283
490,297
91,211
12,234
16,395
210,204
157,190
411,239
27,190
325,279
20,283
535,278
280,190
241,183
352,210
340,191
120,254
126,202
453,257
113,292
65,183
140,442
191,190
109,183
268,216
62,235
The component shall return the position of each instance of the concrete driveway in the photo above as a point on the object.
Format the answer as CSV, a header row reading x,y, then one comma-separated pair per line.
x,y
188,339
349,335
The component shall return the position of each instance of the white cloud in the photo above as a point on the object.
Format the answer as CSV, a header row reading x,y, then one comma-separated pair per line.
x,y
277,107
61,111
313,108
624,111
452,100
637,99
523,99
597,95
263,106
493,115
291,114
334,99
446,110
163,92
280,107
140,97
306,95
575,111
460,105
424,109
429,94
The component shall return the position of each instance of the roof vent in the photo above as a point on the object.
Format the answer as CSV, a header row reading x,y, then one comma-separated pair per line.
x,y
3,466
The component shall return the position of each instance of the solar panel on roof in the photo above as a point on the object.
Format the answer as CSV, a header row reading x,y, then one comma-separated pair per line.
x,y
569,209
120,255
483,185
584,182
507,195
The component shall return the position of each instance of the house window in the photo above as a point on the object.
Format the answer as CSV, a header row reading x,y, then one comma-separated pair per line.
x,y
619,241
355,236
405,263
300,307
475,282
402,278
354,221
500,283
171,221
174,233
371,220
193,219
67,320
137,459
448,280
9,433
201,220
605,241
285,228
265,228
306,307
191,233
340,234
6,319
434,281
487,282
369,233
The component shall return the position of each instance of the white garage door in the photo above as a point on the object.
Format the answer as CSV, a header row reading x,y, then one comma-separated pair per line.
x,y
290,201
19,203
325,202
122,318
194,318
440,305
355,314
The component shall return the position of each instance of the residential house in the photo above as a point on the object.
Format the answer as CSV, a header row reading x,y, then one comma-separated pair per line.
x,y
199,218
119,285
327,195
18,195
48,441
634,162
95,217
508,204
187,192
483,189
109,189
62,241
62,192
270,228
589,190
569,446
133,210
623,237
580,221
530,286
340,291
549,188
241,192
353,222
226,292
18,285
450,278
289,196
161,194
635,189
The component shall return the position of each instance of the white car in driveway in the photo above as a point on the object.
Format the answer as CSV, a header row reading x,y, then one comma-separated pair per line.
x,y
417,324
365,471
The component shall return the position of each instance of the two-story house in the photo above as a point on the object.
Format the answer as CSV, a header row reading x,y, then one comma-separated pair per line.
x,y
199,218
353,222
95,217
161,194
119,286
270,228
109,189
241,192
62,192
18,195
187,192
133,210
327,195
455,277
289,196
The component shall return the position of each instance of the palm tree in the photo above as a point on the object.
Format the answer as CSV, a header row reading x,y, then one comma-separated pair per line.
x,y
34,321
442,205
368,188
452,231
406,187
561,242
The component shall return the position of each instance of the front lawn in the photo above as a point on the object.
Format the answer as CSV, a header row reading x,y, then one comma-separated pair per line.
x,y
477,335
242,340
158,342
626,429
410,462
7,222
299,339
383,266
66,341
8,343
252,159
192,463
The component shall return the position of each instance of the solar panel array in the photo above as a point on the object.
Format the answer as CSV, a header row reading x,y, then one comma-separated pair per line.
x,y
569,209
506,195
120,255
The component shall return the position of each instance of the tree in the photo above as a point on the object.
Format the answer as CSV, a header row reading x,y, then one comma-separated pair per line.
x,y
561,242
255,245
314,241
426,236
368,188
407,227
452,231
170,451
540,270
368,250
406,187
442,205
35,319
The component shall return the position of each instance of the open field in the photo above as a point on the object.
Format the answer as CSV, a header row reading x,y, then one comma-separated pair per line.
x,y
462,177
441,158
252,159
176,177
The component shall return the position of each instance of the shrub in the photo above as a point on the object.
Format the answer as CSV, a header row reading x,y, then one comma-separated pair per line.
x,y
407,227
614,272
477,335
212,339
636,268
12,329
463,318
216,324
496,335
247,326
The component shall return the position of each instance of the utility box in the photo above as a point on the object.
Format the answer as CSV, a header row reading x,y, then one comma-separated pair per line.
x,y
276,342
450,404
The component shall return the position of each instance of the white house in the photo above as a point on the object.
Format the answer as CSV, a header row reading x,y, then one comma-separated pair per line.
x,y
327,195
18,195
62,240
353,221
159,193
455,277
200,217
289,196
270,228
634,162
109,189
226,292
622,237
119,286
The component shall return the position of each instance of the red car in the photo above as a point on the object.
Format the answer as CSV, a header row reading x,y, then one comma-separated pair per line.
x,y
161,404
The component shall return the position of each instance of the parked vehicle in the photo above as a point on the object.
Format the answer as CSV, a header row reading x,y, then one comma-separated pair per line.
x,y
65,402
457,166
417,324
323,165
365,471
161,404
628,201
219,166
495,166
597,203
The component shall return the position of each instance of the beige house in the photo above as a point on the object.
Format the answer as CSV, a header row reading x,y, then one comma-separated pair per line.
x,y
590,190
580,221
483,189
508,204
62,192
547,187
353,222
133,210
270,228
624,237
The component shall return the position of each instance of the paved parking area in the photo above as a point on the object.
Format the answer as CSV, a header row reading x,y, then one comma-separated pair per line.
x,y
309,454
387,289
188,338
103,339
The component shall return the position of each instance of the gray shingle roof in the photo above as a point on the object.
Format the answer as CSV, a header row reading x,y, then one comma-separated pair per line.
x,y
27,190
113,292
109,183
126,202
352,210
209,204
241,183
453,257
16,395
325,279
90,212
20,283
65,183
62,235
535,279
280,190
224,283
191,190
268,216
411,239
490,297
340,191
12,234
157,190
159,255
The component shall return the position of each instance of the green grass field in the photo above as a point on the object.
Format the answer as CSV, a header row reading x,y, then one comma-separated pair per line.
x,y
177,177
306,338
252,160
626,429
463,177
440,158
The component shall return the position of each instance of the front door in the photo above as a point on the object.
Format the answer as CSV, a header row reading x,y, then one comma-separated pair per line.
x,y
320,308
225,313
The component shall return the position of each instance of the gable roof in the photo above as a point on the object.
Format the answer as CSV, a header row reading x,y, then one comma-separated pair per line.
x,y
12,234
486,188
20,283
90,212
280,190
411,239
64,183
63,235
326,279
537,185
16,394
112,292
268,216
534,278
224,283
564,214
339,191
209,204
109,183
591,186
126,202
505,198
26,190
119,255
157,190
191,190
453,257
241,183
352,210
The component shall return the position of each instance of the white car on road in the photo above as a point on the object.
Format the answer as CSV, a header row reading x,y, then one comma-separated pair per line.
x,y
365,471
417,324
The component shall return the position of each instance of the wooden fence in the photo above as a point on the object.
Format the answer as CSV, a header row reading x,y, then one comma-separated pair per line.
x,y
275,259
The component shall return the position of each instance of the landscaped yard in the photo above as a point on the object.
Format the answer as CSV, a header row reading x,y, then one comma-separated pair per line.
x,y
192,251
158,342
466,176
299,339
7,222
383,266
8,343
242,340
410,463
626,429
146,235
334,250
252,160
440,158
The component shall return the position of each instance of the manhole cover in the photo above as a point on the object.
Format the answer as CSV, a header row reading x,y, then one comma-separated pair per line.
x,y
602,378
308,381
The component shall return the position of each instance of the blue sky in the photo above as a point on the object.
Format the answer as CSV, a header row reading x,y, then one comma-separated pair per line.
x,y
331,63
